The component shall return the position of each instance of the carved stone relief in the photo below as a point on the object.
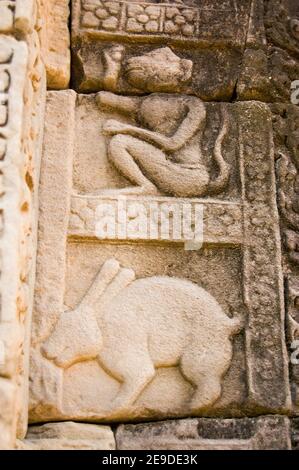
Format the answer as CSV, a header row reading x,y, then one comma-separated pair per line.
x,y
270,61
160,154
212,35
22,89
133,307
188,329
165,279
293,331
257,39
159,19
285,124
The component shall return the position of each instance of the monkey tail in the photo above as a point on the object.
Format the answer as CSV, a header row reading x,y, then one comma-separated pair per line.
x,y
221,181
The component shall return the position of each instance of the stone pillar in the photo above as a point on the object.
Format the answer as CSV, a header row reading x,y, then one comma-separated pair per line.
x,y
22,94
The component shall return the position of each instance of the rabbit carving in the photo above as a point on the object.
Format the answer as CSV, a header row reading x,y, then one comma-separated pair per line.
x,y
133,326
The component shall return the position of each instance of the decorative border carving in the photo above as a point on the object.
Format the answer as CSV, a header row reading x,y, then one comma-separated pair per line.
x,y
152,21
13,68
292,291
222,221
267,360
285,124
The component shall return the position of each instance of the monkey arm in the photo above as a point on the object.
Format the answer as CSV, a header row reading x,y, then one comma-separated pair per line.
x,y
155,138
187,129
192,123
123,104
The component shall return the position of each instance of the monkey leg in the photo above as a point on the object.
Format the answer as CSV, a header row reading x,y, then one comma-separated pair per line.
x,y
123,152
148,167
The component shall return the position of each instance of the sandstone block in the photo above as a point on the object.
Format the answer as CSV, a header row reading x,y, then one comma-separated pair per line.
x,y
55,40
141,27
22,87
131,310
68,436
264,433
17,16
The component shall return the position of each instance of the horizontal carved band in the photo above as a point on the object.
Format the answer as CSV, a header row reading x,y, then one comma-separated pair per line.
x,y
222,221
144,19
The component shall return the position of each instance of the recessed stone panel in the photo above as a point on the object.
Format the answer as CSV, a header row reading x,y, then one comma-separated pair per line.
x,y
150,326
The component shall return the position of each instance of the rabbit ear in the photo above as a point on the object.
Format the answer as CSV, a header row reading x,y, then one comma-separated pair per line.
x,y
186,68
108,271
122,280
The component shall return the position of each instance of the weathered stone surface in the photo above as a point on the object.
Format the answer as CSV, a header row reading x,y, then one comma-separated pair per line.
x,y
68,436
114,299
57,155
8,404
259,35
17,16
260,226
264,433
222,221
32,128
295,433
292,294
55,39
137,28
285,124
159,290
22,86
270,62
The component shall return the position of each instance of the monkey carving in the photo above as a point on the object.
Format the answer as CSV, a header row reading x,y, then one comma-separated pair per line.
x,y
159,152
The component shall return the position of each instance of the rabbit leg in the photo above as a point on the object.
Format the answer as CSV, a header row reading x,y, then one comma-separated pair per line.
x,y
136,374
208,390
204,376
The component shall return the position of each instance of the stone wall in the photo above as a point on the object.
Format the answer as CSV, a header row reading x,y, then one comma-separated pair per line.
x,y
23,51
22,92
162,281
